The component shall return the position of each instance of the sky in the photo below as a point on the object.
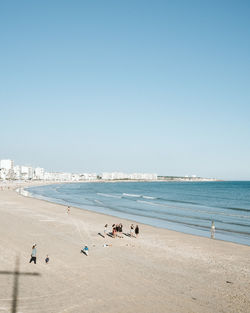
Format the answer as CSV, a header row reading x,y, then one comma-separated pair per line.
x,y
133,86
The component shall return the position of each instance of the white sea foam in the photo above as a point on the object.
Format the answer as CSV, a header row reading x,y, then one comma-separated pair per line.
x,y
148,197
131,195
108,195
146,202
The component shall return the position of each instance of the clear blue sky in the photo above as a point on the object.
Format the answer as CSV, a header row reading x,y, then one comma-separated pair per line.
x,y
145,86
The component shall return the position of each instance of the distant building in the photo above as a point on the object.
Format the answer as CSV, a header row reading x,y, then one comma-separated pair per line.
x,y
6,164
39,173
65,176
144,176
123,176
21,172
75,177
26,172
58,176
88,176
17,172
114,175
6,169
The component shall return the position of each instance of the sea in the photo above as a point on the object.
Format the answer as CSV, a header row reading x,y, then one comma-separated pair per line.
x,y
188,207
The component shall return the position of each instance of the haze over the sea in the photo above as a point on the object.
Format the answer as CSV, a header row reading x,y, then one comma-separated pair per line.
x,y
132,86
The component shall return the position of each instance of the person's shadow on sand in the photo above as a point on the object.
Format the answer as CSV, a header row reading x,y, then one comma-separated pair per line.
x,y
84,252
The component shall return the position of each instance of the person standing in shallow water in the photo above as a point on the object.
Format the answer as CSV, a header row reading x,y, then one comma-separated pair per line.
x,y
212,230
33,254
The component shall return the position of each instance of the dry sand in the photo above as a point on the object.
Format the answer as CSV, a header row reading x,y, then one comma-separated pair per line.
x,y
161,271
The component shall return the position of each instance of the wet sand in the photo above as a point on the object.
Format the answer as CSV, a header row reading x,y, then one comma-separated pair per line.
x,y
160,271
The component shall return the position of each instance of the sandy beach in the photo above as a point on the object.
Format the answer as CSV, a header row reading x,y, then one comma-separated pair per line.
x,y
160,271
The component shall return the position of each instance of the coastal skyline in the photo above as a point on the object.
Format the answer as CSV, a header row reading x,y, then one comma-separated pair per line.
x,y
137,86
9,171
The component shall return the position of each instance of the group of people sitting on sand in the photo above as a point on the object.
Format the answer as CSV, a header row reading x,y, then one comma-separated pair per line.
x,y
117,231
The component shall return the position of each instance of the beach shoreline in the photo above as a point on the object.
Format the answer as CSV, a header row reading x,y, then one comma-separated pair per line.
x,y
117,210
208,275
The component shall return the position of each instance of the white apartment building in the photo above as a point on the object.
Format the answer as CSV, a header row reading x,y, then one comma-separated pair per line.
x,y
75,177
49,176
26,172
65,176
88,176
114,175
3,174
143,176
17,172
39,173
6,164
6,169
135,176
58,176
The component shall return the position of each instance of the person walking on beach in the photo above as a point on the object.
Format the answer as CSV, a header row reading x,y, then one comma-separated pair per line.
x,y
131,230
47,259
33,254
117,229
120,230
105,230
68,210
113,230
212,230
136,231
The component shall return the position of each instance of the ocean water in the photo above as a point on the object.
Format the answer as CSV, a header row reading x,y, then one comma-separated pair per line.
x,y
187,207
